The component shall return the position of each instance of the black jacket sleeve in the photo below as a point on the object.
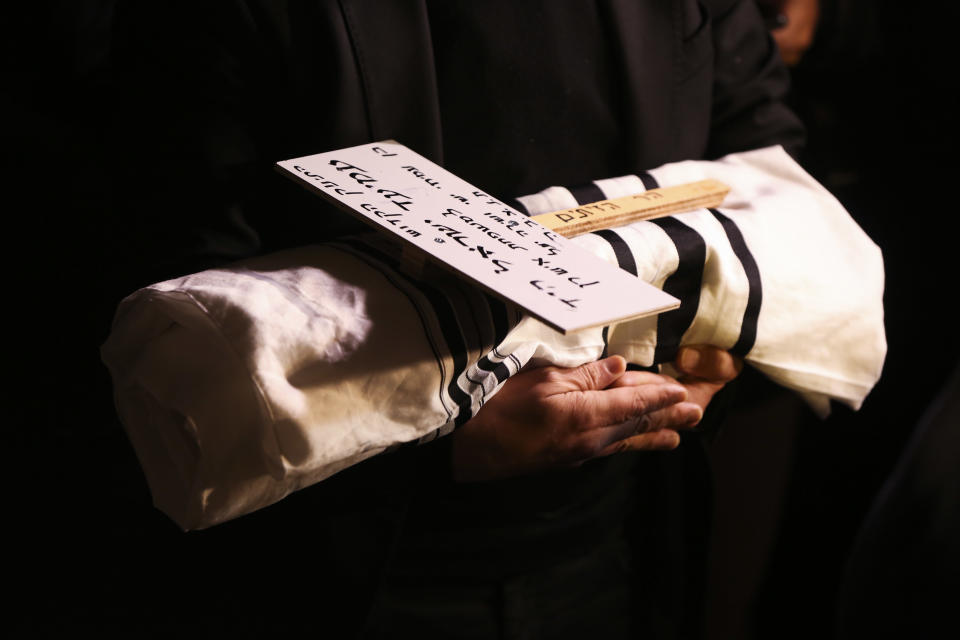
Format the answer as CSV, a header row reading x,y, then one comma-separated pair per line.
x,y
750,84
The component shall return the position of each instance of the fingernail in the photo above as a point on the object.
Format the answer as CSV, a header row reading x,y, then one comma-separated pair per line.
x,y
669,438
694,416
689,359
614,365
678,390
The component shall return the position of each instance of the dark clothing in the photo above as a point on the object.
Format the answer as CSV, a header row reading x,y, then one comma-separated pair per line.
x,y
531,99
537,80
902,577
557,93
206,105
599,584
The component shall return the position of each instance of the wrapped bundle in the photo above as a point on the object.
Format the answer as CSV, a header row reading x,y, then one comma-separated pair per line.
x,y
240,385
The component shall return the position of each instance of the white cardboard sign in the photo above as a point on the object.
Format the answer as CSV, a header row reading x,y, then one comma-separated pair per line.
x,y
479,238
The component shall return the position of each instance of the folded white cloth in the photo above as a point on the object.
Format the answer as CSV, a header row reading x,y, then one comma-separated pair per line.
x,y
240,385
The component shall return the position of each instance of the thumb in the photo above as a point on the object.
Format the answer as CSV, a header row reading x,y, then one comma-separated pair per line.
x,y
594,376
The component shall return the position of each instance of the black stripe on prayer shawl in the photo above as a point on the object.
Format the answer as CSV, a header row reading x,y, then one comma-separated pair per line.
x,y
649,182
587,193
456,312
404,285
501,325
516,204
456,342
499,369
450,328
461,298
516,361
684,283
620,249
625,259
751,315
468,314
489,317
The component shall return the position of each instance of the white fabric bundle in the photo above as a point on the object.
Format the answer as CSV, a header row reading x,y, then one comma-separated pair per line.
x,y
240,385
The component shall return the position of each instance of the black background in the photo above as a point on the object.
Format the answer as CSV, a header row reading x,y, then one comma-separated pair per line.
x,y
878,92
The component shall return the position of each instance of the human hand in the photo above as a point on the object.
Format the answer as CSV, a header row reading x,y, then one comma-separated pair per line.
x,y
704,370
551,418
796,35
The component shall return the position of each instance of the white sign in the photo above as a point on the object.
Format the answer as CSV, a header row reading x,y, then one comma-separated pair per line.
x,y
478,237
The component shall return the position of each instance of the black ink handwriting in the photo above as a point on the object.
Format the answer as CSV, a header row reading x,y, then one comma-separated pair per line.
x,y
548,289
420,174
390,194
551,250
327,184
359,175
479,226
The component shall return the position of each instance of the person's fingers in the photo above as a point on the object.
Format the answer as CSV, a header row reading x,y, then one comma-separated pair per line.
x,y
797,35
587,377
650,408
597,409
589,421
683,415
701,392
662,435
708,363
662,440
636,378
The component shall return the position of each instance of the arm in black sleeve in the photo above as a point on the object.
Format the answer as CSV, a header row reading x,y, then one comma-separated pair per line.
x,y
178,153
750,84
208,98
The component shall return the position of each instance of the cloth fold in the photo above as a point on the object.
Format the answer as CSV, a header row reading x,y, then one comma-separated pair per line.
x,y
240,385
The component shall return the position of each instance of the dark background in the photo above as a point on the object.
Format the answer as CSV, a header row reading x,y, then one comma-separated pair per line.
x,y
878,91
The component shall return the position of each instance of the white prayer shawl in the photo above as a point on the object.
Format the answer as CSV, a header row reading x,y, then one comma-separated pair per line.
x,y
240,385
